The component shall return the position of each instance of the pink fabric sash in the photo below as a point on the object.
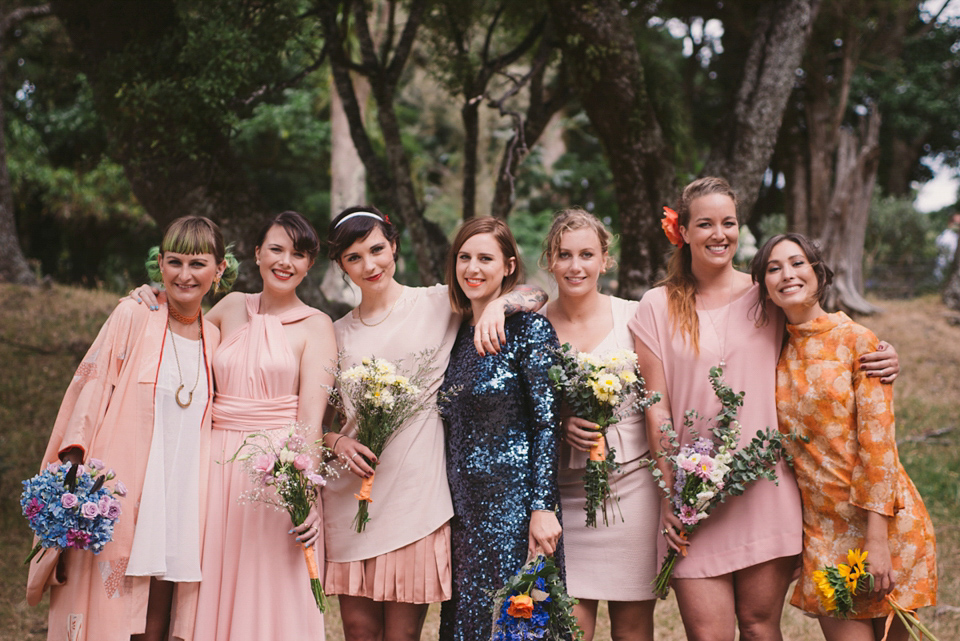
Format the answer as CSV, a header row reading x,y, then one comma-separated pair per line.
x,y
252,414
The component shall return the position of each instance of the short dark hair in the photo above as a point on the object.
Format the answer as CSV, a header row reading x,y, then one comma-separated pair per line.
x,y
758,270
301,232
343,233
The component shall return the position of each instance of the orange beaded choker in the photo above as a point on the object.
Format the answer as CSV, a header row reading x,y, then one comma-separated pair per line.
x,y
180,318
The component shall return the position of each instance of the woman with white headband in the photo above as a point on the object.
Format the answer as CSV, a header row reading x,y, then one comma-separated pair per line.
x,y
387,575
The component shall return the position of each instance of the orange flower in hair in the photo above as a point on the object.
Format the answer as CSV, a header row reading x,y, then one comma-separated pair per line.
x,y
670,223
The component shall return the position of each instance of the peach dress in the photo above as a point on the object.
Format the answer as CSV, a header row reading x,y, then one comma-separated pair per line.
x,y
764,523
255,583
850,464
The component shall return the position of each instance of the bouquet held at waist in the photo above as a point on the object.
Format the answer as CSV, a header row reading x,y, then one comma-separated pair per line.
x,y
603,390
287,471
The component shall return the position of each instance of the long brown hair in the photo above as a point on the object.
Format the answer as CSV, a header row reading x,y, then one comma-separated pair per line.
x,y
508,246
680,283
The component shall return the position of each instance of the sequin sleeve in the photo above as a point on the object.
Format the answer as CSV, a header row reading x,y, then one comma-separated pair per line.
x,y
537,353
873,482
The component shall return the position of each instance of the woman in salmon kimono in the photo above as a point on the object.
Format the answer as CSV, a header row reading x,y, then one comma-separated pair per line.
x,y
140,402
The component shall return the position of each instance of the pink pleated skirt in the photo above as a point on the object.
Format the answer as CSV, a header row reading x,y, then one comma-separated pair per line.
x,y
416,573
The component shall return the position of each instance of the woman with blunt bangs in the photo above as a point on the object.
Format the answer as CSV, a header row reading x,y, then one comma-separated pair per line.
x,y
500,411
738,564
273,368
386,575
140,403
614,562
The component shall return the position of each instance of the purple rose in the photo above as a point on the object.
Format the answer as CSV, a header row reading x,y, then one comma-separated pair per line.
x,y
78,539
90,510
95,464
33,508
120,489
103,505
113,511
69,500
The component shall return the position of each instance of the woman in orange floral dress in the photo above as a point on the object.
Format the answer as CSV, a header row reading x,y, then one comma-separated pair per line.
x,y
855,492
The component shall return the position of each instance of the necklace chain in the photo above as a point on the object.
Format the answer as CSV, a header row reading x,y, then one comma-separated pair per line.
x,y
366,324
176,357
722,340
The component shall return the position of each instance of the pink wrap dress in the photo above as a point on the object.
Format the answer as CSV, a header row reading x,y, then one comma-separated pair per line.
x,y
255,584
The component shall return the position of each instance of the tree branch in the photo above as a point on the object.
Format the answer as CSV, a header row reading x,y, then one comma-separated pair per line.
x,y
20,14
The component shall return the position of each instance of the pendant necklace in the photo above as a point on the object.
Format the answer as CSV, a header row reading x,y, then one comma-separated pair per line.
x,y
176,357
722,339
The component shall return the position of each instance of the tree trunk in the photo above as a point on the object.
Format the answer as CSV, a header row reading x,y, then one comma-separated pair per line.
x,y
13,264
469,114
845,227
168,185
348,177
389,177
604,64
777,47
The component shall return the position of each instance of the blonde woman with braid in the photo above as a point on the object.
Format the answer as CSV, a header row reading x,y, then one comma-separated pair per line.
x,y
616,562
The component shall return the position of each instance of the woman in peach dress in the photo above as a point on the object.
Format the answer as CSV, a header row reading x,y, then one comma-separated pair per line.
x,y
856,494
386,575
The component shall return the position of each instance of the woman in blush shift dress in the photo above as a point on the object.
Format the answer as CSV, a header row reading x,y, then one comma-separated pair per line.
x,y
502,428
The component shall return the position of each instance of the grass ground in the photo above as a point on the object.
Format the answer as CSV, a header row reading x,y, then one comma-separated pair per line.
x,y
44,333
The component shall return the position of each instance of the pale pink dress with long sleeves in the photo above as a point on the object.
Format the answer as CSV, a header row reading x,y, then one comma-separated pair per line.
x,y
255,584
764,523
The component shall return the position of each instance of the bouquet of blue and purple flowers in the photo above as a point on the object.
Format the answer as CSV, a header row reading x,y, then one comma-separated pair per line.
x,y
534,604
69,506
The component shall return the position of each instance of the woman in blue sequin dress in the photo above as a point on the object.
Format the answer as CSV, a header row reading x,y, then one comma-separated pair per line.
x,y
502,433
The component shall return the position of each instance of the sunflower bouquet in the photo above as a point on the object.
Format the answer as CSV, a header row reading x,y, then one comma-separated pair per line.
x,y
381,400
837,585
710,470
287,471
597,389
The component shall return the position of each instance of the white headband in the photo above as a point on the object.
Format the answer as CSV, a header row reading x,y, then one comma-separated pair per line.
x,y
355,214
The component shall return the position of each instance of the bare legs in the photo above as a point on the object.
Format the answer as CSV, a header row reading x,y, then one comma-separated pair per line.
x,y
861,629
751,599
368,620
629,620
158,611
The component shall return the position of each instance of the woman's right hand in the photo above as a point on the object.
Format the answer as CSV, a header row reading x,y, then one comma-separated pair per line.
x,y
581,434
150,295
671,528
354,455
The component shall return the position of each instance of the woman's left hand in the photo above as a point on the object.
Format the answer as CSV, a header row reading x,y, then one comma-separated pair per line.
x,y
544,534
489,333
883,363
310,531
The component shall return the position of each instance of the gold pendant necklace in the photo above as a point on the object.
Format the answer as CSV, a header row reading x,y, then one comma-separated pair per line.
x,y
176,356
366,324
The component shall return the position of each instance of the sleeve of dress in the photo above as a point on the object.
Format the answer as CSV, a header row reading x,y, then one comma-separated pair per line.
x,y
873,483
538,353
643,324
88,395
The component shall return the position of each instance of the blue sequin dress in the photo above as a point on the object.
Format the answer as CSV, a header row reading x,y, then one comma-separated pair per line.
x,y
502,436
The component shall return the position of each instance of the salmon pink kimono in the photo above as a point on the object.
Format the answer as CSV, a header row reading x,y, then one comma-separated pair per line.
x,y
108,412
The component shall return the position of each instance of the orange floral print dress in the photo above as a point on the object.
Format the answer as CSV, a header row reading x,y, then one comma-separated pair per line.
x,y
850,463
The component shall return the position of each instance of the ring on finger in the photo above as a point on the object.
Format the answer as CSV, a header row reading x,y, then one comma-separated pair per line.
x,y
355,454
665,531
